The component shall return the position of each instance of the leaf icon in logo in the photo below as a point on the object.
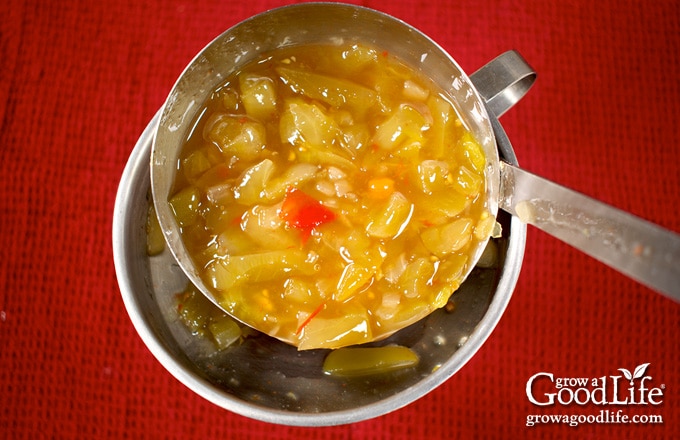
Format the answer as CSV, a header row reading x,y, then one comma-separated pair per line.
x,y
640,371
626,373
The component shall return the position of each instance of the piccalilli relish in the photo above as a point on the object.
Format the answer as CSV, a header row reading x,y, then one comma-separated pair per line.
x,y
330,195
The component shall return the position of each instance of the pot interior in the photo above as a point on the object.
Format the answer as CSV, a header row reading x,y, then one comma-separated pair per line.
x,y
269,380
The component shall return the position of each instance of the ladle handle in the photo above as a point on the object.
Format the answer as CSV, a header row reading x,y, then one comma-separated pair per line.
x,y
635,247
503,81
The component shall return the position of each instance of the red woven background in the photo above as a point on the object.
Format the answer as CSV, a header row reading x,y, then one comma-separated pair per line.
x,y
80,80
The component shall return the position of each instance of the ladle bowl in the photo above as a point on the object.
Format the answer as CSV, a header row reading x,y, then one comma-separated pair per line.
x,y
318,24
636,247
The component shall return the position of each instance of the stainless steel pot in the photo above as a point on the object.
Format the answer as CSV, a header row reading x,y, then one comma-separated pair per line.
x,y
264,378
268,380
271,381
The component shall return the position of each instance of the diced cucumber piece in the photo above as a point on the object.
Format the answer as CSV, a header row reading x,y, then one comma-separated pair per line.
x,y
448,238
349,329
353,278
414,280
233,270
306,124
405,126
258,94
364,361
333,91
440,135
294,176
196,164
185,205
449,276
469,151
250,186
432,175
236,136
391,217
468,181
155,241
225,331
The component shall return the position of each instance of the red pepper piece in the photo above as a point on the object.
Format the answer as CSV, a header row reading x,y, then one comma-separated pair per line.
x,y
303,212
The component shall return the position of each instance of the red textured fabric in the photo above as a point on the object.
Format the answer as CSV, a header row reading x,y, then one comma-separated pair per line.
x,y
80,80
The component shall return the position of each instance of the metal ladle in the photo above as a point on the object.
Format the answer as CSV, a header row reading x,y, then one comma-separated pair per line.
x,y
637,248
